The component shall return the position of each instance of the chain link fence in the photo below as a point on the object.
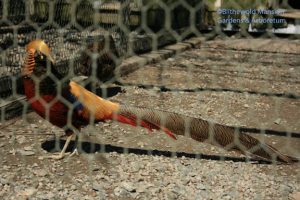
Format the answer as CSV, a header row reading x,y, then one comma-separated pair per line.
x,y
232,63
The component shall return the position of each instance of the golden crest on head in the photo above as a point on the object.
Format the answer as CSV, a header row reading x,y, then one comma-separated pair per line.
x,y
40,46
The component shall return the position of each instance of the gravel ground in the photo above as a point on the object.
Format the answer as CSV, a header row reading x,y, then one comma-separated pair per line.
x,y
101,173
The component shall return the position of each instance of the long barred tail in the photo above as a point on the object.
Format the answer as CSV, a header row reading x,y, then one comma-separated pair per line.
x,y
202,131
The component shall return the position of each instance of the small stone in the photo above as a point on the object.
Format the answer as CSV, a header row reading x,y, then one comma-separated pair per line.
x,y
135,167
97,187
27,192
129,187
26,153
201,186
6,167
171,195
40,172
277,121
60,174
141,144
120,191
33,125
106,124
21,139
35,165
4,181
226,196
28,148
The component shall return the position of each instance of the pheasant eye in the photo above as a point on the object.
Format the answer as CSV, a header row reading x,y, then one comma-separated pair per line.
x,y
39,56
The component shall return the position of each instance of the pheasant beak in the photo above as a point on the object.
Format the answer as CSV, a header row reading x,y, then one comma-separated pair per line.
x,y
41,47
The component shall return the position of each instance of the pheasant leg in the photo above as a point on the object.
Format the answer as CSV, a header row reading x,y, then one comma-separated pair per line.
x,y
62,154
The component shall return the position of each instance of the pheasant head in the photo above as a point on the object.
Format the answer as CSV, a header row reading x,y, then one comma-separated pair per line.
x,y
37,54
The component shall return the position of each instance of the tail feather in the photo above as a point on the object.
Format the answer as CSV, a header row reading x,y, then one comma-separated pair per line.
x,y
271,153
132,120
204,131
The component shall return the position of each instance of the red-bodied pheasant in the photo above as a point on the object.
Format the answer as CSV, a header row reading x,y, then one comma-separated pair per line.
x,y
79,106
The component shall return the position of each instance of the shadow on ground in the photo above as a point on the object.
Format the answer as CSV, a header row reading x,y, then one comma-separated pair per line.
x,y
90,148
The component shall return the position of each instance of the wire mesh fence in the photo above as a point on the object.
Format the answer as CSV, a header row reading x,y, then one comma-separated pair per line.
x,y
216,83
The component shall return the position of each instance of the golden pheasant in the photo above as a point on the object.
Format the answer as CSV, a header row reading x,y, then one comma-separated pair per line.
x,y
68,105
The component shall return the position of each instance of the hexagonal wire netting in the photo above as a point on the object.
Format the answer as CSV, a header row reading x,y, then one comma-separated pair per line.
x,y
229,70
